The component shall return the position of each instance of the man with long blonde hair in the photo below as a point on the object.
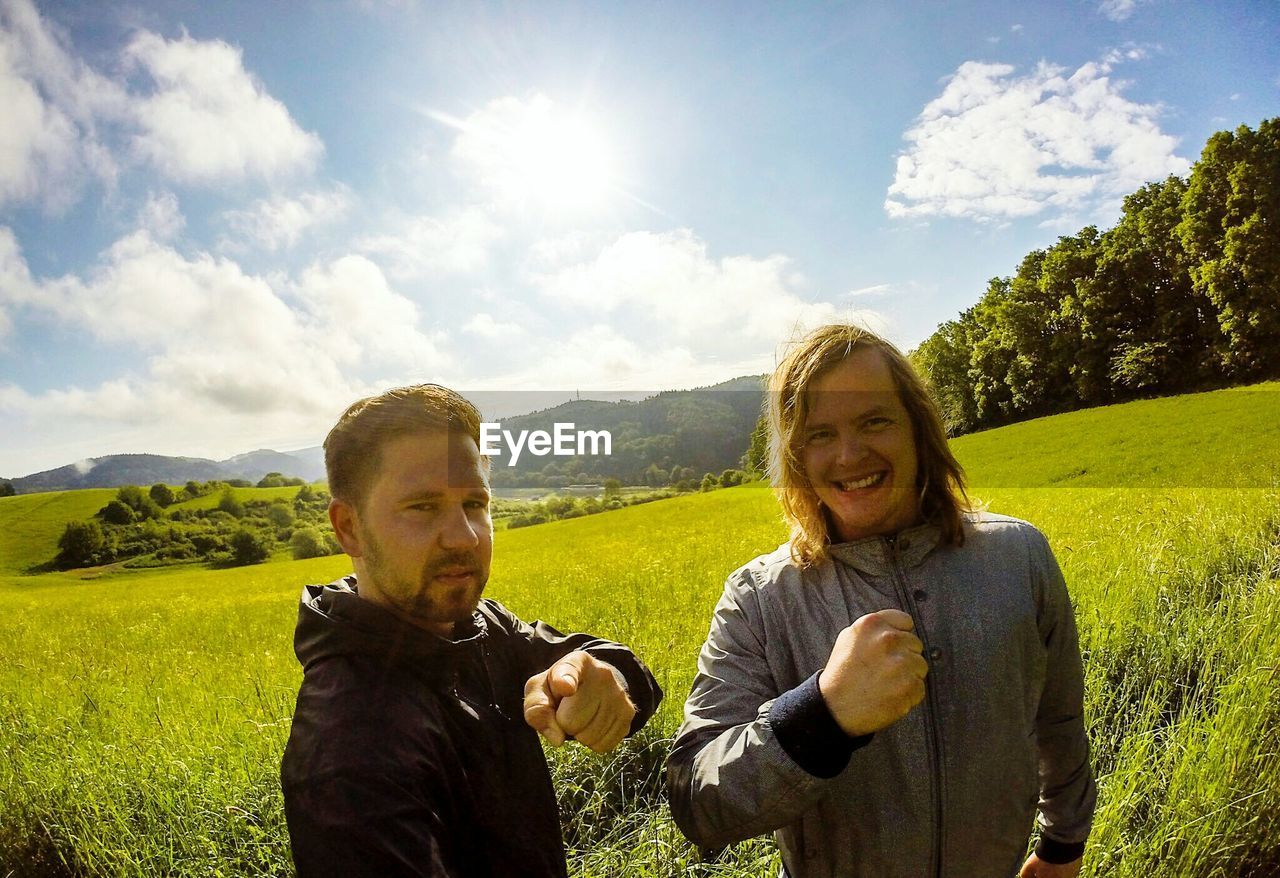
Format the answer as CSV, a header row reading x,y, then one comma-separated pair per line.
x,y
896,690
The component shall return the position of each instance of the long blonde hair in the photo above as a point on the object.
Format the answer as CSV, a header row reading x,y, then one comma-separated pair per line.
x,y
939,477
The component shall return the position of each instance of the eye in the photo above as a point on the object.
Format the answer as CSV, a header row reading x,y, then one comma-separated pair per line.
x,y
878,423
819,436
477,504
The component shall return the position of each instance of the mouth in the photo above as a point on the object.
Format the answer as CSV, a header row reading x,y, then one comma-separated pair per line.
x,y
872,481
455,574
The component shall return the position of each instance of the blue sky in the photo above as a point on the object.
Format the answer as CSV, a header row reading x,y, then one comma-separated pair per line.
x,y
221,223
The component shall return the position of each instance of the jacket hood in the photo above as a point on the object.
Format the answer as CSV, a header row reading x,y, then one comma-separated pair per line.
x,y
333,620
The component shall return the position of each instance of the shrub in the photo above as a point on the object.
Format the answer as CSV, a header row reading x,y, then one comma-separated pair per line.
x,y
82,544
248,547
116,512
280,515
162,495
230,505
307,542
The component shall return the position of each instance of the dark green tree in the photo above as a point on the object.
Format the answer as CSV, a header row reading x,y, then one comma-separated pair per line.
x,y
756,458
307,542
249,547
6,488
280,515
162,495
116,512
83,543
944,360
230,505
1231,232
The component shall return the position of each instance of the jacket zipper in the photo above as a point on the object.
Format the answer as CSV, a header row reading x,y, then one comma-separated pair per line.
x,y
935,745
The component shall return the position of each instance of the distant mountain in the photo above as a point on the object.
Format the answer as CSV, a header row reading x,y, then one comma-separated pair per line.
x,y
706,429
148,469
307,463
703,430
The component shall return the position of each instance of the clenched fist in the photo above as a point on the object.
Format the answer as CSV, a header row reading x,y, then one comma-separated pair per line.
x,y
580,697
875,673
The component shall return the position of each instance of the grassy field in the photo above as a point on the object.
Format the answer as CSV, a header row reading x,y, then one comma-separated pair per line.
x,y
143,714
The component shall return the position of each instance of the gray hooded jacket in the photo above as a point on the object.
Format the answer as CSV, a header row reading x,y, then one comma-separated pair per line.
x,y
949,790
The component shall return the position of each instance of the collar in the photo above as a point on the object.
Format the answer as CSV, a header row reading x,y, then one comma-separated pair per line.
x,y
876,555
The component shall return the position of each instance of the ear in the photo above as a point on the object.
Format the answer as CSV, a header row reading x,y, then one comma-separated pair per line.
x,y
346,526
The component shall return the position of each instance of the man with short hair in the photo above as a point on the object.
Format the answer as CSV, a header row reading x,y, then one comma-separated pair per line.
x,y
414,749
897,690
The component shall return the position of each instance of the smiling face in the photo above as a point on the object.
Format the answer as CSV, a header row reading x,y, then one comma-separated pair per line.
x,y
422,539
858,449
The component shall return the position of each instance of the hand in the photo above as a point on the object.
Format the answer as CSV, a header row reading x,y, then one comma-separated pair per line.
x,y
1035,867
581,697
875,673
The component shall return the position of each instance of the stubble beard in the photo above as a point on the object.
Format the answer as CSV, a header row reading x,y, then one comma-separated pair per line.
x,y
421,601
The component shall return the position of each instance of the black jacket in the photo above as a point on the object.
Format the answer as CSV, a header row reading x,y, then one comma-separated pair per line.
x,y
409,754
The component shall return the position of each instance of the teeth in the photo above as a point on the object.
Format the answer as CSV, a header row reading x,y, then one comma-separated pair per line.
x,y
862,483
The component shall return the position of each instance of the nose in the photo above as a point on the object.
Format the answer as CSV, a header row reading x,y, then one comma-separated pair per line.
x,y
850,448
458,531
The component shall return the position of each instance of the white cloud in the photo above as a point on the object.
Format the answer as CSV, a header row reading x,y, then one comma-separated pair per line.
x,y
874,290
1119,10
48,142
486,327
161,216
280,221
996,145
208,119
358,317
202,119
16,286
226,351
424,246
669,281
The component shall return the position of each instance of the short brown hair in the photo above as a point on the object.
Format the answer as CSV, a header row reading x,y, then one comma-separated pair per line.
x,y
939,476
353,448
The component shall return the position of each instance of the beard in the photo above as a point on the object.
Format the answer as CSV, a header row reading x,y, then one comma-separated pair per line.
x,y
423,599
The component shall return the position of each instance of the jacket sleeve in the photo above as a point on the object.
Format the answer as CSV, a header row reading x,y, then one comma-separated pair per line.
x,y
362,825
733,772
1067,790
544,646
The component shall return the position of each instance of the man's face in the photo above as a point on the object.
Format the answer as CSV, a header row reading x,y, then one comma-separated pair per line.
x,y
424,534
859,450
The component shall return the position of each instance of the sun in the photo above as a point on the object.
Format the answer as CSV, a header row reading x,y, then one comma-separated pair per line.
x,y
564,161
537,155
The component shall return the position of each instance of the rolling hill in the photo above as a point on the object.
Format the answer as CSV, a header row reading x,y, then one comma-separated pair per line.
x,y
1222,438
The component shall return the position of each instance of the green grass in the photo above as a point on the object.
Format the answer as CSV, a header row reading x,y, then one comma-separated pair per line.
x,y
143,714
1226,438
30,524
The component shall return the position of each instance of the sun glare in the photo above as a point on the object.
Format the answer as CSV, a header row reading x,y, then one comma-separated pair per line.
x,y
563,161
537,155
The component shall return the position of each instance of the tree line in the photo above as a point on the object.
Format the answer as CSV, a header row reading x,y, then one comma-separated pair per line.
x,y
139,528
1182,294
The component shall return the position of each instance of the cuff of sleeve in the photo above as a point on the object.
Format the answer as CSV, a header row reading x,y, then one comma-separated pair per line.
x,y
805,728
636,686
1059,852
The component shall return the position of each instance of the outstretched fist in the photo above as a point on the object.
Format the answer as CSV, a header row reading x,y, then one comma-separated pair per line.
x,y
582,698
